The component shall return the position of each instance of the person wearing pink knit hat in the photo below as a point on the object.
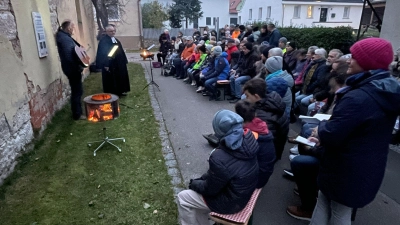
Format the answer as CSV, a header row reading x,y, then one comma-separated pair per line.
x,y
356,138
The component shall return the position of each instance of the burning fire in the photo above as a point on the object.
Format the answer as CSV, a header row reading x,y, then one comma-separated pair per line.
x,y
101,113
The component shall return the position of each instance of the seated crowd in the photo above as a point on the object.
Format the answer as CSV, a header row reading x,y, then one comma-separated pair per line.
x,y
270,81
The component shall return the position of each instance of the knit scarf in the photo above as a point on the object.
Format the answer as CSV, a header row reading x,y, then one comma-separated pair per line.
x,y
308,78
274,74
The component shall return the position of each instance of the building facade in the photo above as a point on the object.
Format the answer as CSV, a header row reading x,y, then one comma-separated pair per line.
x,y
303,13
33,86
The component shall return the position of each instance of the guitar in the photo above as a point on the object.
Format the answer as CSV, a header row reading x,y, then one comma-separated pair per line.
x,y
82,55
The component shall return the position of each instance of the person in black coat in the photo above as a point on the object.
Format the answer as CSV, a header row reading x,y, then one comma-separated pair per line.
x,y
71,65
114,70
231,178
356,137
271,109
264,35
275,35
163,51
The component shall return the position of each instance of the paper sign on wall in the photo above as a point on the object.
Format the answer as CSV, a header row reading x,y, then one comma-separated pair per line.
x,y
39,34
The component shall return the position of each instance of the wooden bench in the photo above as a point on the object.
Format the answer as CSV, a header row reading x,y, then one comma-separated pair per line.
x,y
240,218
224,85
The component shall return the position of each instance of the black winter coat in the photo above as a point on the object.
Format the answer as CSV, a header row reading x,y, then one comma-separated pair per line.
x,y
356,138
248,68
317,77
263,37
165,47
266,158
272,111
274,38
232,177
322,88
70,63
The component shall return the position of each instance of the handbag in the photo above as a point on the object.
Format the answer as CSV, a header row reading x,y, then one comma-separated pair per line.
x,y
156,65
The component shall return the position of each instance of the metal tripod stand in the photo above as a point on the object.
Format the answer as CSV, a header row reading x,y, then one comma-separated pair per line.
x,y
105,140
152,79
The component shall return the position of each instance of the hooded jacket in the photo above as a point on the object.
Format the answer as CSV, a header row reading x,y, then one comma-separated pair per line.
x,y
272,111
356,138
232,176
221,68
266,154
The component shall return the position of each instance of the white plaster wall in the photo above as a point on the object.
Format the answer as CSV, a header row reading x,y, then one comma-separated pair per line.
x,y
276,11
216,8
338,20
390,28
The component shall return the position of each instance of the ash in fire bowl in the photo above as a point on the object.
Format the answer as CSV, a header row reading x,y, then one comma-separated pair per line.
x,y
101,107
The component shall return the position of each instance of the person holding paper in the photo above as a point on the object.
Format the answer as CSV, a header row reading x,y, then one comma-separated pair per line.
x,y
356,138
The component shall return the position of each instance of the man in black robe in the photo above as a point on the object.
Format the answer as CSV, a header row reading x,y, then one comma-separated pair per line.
x,y
114,71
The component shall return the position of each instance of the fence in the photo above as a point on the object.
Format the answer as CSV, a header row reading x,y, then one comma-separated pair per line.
x,y
154,33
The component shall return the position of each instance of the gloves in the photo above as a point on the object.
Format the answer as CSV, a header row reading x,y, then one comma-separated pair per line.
x,y
194,184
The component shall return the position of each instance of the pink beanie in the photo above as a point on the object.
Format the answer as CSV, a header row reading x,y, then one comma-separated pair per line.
x,y
372,53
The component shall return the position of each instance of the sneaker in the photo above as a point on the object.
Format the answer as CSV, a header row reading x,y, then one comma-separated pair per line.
x,y
294,150
186,79
206,93
193,83
200,89
299,213
288,172
292,156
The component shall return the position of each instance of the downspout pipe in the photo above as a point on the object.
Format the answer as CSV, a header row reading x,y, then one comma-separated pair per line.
x,y
140,24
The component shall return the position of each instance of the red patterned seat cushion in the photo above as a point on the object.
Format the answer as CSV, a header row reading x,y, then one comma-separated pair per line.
x,y
242,216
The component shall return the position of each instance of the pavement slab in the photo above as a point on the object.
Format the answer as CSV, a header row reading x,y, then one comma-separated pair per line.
x,y
187,115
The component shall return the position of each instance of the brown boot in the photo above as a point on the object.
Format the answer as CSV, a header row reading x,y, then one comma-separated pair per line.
x,y
299,213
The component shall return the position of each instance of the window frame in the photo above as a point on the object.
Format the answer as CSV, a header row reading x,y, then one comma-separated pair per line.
x,y
210,21
298,16
310,12
269,9
260,13
348,12
118,13
250,14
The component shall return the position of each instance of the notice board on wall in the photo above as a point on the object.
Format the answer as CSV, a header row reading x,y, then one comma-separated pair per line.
x,y
39,34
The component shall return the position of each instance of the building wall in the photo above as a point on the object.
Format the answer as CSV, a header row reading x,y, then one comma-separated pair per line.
x,y
337,20
276,11
32,88
390,27
128,28
220,9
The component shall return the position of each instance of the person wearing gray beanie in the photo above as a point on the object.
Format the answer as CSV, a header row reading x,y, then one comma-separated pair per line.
x,y
209,47
232,176
274,64
217,51
282,44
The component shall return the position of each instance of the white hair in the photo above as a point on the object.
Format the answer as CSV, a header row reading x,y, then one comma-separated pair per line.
x,y
312,49
321,52
339,53
275,52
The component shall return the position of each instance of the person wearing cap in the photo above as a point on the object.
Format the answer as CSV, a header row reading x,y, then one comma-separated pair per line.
x,y
164,34
275,35
245,72
290,54
232,175
356,137
282,44
274,69
231,48
219,72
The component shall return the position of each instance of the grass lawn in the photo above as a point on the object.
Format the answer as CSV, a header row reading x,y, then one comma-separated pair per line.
x,y
54,183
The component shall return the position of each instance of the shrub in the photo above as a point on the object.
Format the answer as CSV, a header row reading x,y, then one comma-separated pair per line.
x,y
325,37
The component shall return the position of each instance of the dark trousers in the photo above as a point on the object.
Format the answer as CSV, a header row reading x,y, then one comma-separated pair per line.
x,y
161,56
180,70
76,94
305,170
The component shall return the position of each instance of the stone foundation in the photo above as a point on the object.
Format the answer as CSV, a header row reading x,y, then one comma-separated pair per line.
x,y
15,135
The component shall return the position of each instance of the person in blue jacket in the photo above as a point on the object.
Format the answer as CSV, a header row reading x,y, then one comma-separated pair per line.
x,y
219,72
356,137
232,175
275,35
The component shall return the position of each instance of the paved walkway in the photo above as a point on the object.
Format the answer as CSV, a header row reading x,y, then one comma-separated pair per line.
x,y
187,115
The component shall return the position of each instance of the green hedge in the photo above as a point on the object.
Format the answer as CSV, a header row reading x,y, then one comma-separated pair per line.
x,y
328,38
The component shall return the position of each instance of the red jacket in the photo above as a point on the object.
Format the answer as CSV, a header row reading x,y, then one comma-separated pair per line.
x,y
230,50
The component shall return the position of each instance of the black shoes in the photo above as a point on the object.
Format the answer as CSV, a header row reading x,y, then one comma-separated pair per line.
x,y
234,100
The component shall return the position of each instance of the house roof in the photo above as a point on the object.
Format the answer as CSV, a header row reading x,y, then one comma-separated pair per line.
x,y
336,1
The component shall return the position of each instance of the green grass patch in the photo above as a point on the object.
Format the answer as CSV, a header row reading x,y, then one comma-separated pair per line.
x,y
54,183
